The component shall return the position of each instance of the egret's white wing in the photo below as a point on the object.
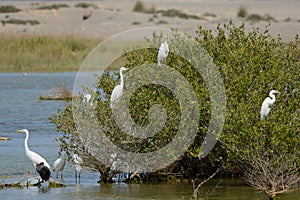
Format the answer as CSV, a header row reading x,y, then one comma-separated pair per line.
x,y
36,158
59,164
265,108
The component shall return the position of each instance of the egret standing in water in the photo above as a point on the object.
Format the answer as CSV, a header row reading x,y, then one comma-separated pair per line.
x,y
78,168
39,163
117,91
43,171
269,101
59,164
163,51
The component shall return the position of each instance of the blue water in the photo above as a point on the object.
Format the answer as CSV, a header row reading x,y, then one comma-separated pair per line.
x,y
20,108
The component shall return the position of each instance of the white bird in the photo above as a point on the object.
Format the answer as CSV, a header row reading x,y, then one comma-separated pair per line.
x,y
78,168
59,164
163,51
87,97
117,91
34,157
265,107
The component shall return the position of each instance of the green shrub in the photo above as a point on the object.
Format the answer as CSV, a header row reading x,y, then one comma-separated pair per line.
x,y
252,64
53,6
20,22
9,9
139,7
258,18
177,13
209,15
86,5
242,12
136,23
162,22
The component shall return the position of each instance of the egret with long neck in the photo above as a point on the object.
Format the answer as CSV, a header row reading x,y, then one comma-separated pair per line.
x,y
34,157
117,91
269,101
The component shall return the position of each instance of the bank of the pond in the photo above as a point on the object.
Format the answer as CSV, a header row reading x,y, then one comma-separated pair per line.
x,y
43,53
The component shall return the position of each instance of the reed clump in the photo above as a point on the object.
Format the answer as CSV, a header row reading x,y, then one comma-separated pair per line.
x,y
43,53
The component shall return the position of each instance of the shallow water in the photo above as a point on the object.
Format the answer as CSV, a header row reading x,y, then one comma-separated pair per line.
x,y
20,108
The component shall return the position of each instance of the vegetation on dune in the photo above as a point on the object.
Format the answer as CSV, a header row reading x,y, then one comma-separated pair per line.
x,y
9,9
86,5
252,63
53,6
43,53
140,7
243,13
19,22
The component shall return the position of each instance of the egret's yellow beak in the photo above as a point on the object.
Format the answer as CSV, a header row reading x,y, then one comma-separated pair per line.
x,y
277,92
19,131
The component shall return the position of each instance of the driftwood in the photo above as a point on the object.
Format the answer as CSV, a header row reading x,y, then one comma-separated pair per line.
x,y
5,138
58,93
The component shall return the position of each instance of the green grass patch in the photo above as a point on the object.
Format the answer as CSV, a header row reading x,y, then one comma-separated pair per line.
x,y
20,22
53,6
136,23
177,13
207,14
161,22
9,9
139,7
86,5
258,18
242,12
43,53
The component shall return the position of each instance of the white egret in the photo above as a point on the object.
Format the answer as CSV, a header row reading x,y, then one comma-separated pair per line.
x,y
265,107
117,91
78,168
43,171
34,157
59,164
87,97
163,51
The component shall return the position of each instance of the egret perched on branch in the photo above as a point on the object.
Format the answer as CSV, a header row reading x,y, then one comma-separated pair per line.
x,y
265,107
163,51
117,91
78,168
87,97
59,164
35,158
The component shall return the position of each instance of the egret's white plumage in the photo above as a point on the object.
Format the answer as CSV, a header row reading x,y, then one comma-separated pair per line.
x,y
117,91
265,107
78,168
59,164
34,157
87,98
163,51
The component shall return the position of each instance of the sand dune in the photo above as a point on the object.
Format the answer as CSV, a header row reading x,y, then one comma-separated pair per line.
x,y
114,16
